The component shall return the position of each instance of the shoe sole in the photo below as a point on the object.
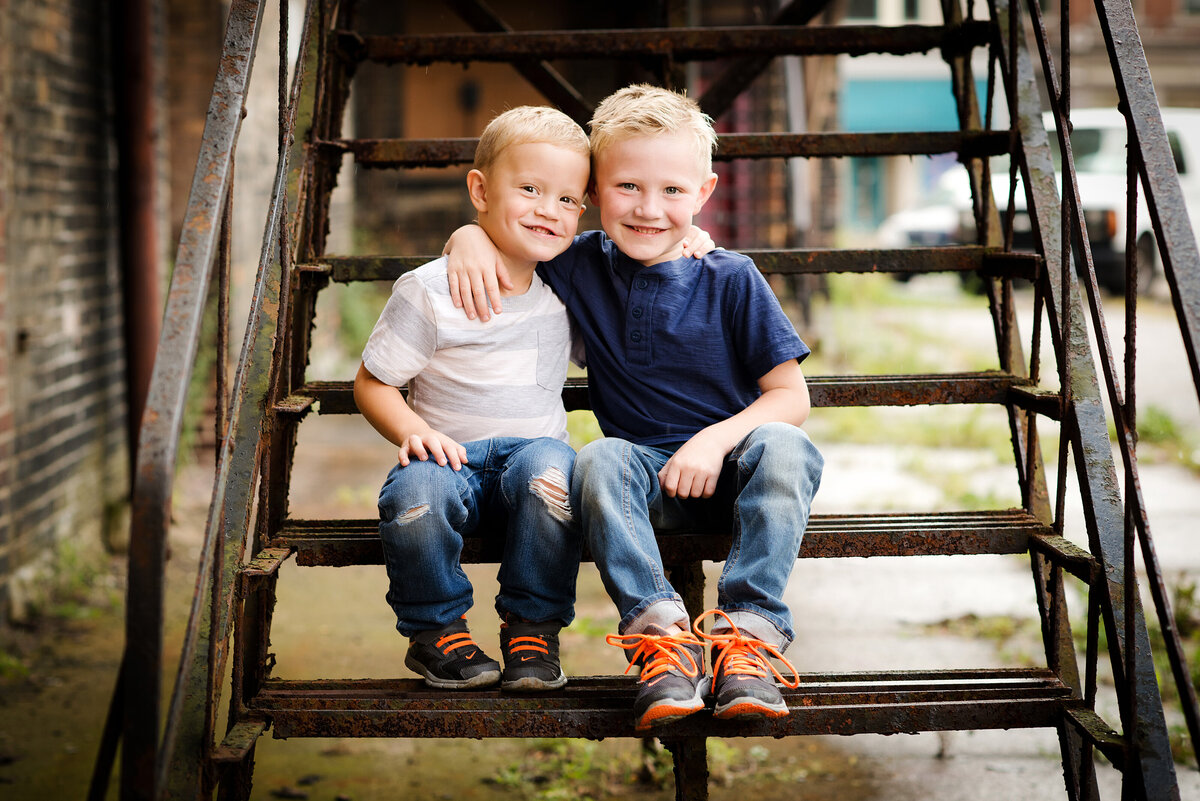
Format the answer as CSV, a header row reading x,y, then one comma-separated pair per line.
x,y
749,709
671,710
530,684
487,678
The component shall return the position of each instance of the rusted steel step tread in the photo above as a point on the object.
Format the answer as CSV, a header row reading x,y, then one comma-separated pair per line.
x,y
681,44
905,522
239,740
949,258
825,391
1075,560
266,562
617,692
349,542
926,678
1041,400
1102,736
408,153
600,707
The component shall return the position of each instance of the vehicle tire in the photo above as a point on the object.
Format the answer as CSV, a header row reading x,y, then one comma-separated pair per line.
x,y
1148,266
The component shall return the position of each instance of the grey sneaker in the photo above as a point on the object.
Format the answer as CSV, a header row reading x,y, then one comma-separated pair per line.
x,y
449,659
530,652
743,678
673,682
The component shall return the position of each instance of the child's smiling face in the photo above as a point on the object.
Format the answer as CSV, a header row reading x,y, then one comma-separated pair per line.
x,y
648,189
530,200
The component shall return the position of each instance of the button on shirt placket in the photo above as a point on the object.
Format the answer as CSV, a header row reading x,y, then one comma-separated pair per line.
x,y
637,318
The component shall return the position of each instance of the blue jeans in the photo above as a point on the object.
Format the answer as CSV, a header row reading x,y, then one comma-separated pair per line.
x,y
514,486
764,492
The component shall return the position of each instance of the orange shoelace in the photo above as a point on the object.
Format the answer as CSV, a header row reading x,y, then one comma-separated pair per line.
x,y
528,644
450,642
735,653
658,653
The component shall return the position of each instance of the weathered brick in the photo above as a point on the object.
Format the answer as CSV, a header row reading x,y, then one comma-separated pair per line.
x,y
61,364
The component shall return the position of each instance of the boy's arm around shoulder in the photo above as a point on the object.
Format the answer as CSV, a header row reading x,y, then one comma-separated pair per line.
x,y
692,471
386,410
476,273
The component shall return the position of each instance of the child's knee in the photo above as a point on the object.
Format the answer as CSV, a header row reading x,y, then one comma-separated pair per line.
x,y
784,445
412,514
550,487
413,492
602,455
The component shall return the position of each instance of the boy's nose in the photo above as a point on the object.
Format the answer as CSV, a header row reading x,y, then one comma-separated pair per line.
x,y
648,208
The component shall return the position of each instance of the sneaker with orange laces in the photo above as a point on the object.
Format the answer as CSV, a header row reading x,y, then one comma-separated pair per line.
x,y
449,659
530,652
673,681
743,687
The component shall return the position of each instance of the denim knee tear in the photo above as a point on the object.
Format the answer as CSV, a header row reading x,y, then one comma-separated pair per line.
x,y
551,487
418,511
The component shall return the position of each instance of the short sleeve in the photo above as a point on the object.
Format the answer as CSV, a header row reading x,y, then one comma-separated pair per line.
x,y
405,336
762,332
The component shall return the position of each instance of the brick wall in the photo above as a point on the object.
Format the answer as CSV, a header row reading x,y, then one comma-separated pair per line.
x,y
6,416
63,459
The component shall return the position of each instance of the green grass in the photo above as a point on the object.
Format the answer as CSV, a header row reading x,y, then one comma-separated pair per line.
x,y
12,667
1162,439
78,586
1185,608
579,770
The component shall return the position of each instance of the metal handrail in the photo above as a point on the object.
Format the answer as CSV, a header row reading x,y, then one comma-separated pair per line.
x,y
139,711
1112,527
191,718
1151,160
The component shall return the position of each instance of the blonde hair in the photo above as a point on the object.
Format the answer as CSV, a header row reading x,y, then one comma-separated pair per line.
x,y
645,110
527,125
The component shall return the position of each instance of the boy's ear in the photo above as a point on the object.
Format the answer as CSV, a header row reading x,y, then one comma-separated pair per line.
x,y
706,190
477,189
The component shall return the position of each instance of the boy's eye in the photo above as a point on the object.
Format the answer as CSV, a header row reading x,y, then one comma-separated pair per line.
x,y
529,188
628,187
672,190
569,201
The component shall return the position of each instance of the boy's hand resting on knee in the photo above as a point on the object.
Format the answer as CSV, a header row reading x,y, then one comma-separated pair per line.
x,y
693,470
429,443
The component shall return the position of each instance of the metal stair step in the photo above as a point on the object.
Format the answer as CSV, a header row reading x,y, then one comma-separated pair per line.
x,y
798,261
679,44
595,707
239,741
1102,736
351,542
406,153
1067,555
993,386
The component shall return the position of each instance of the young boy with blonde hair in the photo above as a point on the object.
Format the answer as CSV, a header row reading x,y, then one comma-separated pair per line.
x,y
483,435
694,376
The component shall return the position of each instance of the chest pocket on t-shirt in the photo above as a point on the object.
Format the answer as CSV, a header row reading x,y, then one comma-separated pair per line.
x,y
554,347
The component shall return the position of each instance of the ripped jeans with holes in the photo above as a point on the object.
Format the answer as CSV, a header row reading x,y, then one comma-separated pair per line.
x,y
515,492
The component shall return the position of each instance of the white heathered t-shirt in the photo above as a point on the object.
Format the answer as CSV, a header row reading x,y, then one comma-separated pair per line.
x,y
468,379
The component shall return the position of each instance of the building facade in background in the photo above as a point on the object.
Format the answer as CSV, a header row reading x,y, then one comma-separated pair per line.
x,y
64,464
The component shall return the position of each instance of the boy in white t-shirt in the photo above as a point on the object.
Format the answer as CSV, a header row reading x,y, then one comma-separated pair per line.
x,y
483,435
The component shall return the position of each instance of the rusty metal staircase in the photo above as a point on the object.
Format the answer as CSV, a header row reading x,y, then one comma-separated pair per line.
x,y
250,533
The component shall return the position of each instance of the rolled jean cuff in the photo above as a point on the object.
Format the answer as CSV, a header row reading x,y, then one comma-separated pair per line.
x,y
755,625
663,610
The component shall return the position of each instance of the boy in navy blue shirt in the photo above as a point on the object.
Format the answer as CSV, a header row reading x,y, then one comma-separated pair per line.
x,y
694,375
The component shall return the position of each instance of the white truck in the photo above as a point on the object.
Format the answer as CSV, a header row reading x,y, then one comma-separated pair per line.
x,y
1098,147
